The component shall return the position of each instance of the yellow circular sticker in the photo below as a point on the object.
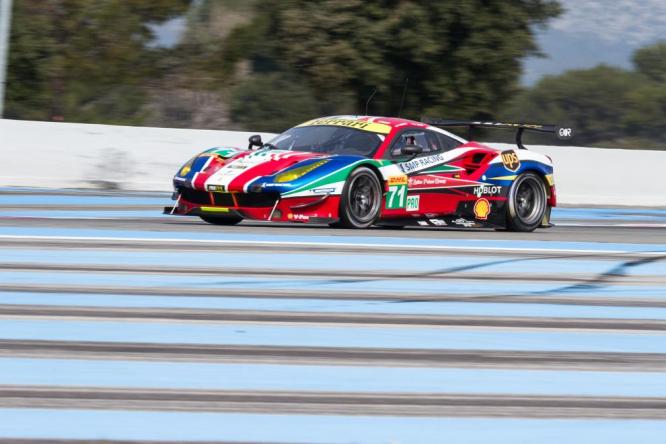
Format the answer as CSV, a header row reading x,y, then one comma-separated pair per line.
x,y
186,169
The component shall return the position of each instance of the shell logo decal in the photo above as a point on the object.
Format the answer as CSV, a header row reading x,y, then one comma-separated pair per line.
x,y
482,209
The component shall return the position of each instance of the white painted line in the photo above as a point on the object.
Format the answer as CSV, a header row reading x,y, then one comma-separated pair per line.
x,y
160,216
610,225
443,248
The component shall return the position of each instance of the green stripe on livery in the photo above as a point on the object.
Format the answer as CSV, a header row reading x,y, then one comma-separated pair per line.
x,y
441,169
337,175
223,152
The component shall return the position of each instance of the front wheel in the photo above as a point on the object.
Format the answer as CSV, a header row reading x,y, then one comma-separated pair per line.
x,y
225,220
361,199
527,203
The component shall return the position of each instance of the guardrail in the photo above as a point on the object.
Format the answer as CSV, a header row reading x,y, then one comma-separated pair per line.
x,y
71,155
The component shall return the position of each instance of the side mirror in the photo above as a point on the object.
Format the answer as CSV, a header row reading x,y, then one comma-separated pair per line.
x,y
411,150
255,141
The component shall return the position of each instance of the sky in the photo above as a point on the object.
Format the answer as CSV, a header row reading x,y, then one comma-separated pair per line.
x,y
591,32
588,33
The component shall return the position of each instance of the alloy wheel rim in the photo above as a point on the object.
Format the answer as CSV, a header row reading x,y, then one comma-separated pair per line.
x,y
529,201
363,198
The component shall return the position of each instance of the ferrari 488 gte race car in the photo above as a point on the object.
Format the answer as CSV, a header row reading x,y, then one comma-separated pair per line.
x,y
357,172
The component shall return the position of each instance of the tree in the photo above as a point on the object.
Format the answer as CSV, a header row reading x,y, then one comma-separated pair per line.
x,y
644,119
462,58
607,106
83,61
209,22
651,61
593,101
194,92
254,102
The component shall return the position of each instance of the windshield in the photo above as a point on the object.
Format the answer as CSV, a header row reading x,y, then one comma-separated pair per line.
x,y
329,140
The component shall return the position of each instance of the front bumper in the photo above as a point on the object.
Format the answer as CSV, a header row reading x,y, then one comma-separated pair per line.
x,y
264,206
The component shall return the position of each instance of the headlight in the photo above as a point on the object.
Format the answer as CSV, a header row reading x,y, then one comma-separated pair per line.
x,y
291,175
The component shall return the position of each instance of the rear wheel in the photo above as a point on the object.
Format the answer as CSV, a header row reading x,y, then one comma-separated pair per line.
x,y
225,220
361,199
527,204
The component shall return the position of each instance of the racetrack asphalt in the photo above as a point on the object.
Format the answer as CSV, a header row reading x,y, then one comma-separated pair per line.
x,y
110,310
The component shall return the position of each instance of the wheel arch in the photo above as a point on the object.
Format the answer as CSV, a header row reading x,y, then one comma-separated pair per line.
x,y
377,172
550,189
541,174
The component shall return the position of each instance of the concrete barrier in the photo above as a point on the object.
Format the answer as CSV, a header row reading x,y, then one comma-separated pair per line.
x,y
69,155
601,176
74,155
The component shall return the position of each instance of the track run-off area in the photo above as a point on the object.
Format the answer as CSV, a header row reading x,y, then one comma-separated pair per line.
x,y
118,323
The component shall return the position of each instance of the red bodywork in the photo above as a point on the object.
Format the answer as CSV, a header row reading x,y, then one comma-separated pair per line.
x,y
473,163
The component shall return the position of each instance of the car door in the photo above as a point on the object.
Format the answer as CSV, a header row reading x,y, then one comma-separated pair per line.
x,y
430,179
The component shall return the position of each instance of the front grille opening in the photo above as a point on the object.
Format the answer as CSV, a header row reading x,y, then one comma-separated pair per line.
x,y
257,199
195,196
223,199
249,200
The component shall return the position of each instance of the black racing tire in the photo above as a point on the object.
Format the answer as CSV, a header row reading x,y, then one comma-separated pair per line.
x,y
361,200
224,220
527,203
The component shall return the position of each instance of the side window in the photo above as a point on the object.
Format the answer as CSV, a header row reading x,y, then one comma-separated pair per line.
x,y
443,141
415,137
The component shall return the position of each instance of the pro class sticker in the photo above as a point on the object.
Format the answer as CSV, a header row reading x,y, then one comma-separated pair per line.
x,y
413,203
510,160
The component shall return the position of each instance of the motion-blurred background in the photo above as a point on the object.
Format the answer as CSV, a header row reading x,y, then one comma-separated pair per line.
x,y
265,65
120,324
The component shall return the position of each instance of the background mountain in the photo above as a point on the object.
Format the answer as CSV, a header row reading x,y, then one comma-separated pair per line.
x,y
593,32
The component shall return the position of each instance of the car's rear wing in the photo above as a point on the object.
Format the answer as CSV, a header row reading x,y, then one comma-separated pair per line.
x,y
561,132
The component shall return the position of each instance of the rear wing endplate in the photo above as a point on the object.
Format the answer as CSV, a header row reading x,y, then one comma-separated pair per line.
x,y
561,132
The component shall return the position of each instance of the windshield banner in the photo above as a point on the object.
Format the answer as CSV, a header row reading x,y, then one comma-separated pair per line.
x,y
351,123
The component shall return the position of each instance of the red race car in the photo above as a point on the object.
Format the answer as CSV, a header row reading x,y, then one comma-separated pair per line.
x,y
357,172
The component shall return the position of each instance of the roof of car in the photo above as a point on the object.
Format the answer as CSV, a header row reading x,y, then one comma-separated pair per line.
x,y
381,124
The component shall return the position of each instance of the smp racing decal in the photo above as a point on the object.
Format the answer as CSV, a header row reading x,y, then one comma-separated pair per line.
x,y
510,160
421,163
482,209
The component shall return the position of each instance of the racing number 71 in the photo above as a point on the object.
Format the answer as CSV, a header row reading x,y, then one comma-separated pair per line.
x,y
396,193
